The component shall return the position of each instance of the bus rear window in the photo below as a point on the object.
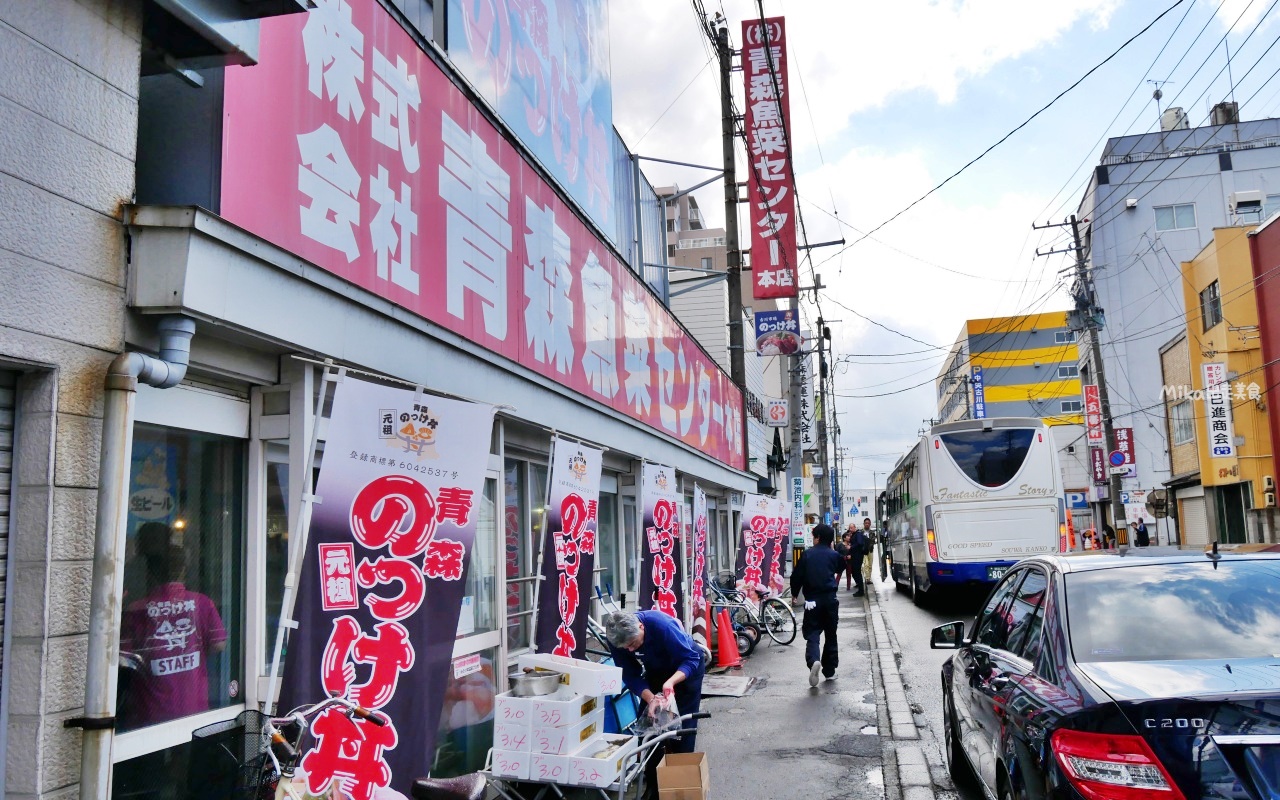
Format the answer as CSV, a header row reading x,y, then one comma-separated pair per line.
x,y
990,458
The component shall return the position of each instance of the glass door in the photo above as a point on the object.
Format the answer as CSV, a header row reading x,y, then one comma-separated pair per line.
x,y
477,674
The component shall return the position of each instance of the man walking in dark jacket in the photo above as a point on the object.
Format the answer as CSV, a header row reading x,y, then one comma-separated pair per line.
x,y
815,577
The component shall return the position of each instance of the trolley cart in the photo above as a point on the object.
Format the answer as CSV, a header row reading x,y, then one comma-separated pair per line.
x,y
631,775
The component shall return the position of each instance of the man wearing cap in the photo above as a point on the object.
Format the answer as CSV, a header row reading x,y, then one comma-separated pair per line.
x,y
815,577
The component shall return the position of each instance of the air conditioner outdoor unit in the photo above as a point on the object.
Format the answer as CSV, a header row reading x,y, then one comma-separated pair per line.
x,y
1269,499
1246,202
1268,483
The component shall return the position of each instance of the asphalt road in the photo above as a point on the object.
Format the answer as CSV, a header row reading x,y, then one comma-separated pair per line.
x,y
920,666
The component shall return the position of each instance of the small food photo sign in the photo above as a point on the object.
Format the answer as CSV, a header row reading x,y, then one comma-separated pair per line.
x,y
777,333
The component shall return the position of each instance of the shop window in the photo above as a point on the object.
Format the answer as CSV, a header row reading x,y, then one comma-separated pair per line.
x,y
607,552
479,612
182,627
525,488
181,631
466,721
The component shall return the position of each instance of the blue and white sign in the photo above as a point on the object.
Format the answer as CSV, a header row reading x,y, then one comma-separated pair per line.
x,y
979,394
777,333
1078,501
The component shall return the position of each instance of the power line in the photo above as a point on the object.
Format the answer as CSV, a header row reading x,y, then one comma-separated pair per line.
x,y
1022,125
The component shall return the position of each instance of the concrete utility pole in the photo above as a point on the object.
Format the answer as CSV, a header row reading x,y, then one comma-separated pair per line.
x,y
1087,318
822,488
733,278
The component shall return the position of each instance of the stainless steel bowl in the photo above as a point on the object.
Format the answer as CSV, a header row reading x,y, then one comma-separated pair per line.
x,y
535,683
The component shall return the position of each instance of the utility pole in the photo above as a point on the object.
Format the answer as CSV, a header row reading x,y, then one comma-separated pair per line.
x,y
823,491
1087,318
733,278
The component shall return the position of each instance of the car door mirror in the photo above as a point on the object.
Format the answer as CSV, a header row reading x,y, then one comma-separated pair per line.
x,y
947,637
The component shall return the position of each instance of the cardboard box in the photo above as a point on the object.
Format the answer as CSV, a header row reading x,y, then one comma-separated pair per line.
x,y
683,776
511,764
563,709
587,678
600,772
562,741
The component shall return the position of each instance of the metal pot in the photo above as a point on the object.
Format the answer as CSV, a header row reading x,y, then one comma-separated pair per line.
x,y
535,683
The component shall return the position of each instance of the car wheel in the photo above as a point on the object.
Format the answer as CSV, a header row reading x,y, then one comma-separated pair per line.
x,y
957,762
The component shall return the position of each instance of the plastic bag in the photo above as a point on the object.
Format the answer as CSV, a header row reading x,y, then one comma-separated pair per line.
x,y
664,718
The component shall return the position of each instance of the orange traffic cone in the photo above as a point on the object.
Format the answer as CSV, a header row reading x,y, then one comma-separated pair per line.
x,y
727,654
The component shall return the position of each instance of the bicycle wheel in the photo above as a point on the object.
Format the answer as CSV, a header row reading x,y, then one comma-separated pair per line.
x,y
779,621
747,635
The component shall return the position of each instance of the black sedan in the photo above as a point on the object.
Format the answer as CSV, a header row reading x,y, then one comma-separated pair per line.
x,y
1152,674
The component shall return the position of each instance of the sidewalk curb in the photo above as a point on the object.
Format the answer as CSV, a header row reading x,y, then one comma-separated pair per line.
x,y
906,767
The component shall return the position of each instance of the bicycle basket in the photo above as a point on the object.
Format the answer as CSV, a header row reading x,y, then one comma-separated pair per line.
x,y
228,759
726,581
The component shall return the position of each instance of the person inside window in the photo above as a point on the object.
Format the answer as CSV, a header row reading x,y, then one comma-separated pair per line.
x,y
167,638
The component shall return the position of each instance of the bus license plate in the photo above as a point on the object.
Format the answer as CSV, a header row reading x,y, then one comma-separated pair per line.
x,y
996,573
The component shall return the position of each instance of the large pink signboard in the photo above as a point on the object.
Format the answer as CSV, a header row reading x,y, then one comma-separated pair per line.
x,y
771,185
347,145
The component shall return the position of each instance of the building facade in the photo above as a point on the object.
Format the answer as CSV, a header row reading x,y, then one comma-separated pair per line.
x,y
335,196
1023,366
1152,203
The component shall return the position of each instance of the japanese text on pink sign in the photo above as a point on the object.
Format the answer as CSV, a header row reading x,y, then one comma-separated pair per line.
x,y
770,180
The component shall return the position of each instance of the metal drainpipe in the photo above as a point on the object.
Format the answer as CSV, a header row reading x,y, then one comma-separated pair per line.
x,y
98,722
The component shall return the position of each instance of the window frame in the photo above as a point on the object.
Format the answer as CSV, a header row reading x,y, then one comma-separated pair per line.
x,y
1174,209
1211,305
1065,337
1068,371
1182,421
1077,407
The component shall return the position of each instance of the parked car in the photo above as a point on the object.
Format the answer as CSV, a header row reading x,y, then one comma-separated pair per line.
x,y
1148,673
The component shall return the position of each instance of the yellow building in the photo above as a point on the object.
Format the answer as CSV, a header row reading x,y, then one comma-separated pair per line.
x,y
1229,424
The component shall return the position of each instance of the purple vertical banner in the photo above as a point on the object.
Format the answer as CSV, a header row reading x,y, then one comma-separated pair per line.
x,y
752,561
382,581
567,564
698,584
661,581
778,532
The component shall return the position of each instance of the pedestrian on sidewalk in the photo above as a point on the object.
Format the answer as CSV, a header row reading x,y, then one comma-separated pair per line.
x,y
815,576
859,549
841,547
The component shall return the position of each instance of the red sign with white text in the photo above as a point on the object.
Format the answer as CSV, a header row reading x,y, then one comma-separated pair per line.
x,y
771,187
1093,416
348,146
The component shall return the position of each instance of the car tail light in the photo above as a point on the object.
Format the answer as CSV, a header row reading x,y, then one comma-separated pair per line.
x,y
1103,766
933,544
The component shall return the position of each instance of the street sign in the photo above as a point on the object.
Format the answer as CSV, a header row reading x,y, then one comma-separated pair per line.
x,y
1117,459
777,413
1120,470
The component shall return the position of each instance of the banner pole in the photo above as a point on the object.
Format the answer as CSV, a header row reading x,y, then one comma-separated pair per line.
x,y
298,542
542,544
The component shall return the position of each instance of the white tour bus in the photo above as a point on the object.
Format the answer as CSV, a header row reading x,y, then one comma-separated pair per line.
x,y
970,499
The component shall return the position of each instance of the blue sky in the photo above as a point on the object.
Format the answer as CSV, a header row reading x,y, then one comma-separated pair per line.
x,y
896,97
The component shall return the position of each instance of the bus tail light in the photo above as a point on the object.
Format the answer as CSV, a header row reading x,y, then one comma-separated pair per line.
x,y
933,544
1103,766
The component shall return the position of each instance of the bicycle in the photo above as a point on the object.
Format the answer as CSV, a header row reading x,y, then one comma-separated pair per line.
x,y
256,757
773,616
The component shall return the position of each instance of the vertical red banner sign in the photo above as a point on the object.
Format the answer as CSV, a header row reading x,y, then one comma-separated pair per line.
x,y
1093,416
383,580
567,574
661,576
771,186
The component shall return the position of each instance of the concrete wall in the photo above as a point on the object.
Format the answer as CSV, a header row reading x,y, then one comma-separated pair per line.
x,y
1135,267
68,127
1175,365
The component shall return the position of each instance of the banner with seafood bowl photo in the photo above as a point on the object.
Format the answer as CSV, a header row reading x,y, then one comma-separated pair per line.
x,y
765,526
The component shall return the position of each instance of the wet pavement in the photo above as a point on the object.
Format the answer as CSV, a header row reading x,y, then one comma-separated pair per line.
x,y
863,735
